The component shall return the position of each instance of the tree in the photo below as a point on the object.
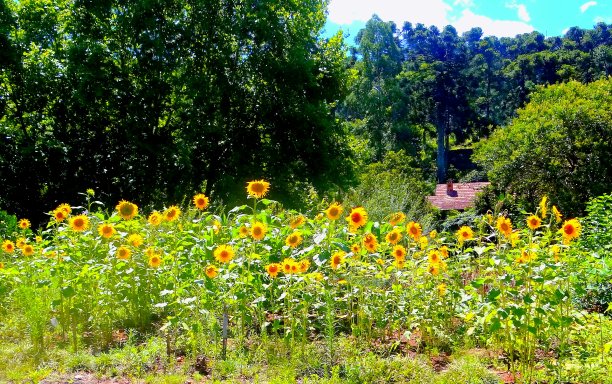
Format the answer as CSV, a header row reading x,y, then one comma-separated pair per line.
x,y
560,145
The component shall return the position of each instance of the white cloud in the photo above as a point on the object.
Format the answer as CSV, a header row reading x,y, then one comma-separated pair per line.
x,y
432,12
464,3
587,5
499,28
564,31
521,10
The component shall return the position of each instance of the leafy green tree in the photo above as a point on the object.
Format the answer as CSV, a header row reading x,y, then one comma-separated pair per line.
x,y
560,145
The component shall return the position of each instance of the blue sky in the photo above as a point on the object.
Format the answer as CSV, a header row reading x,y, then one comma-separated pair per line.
x,y
495,17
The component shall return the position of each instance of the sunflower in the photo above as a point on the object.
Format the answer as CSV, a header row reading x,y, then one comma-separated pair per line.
x,y
556,250
525,257
334,211
397,218
66,208
515,237
543,206
27,250
243,231
434,257
433,234
304,265
414,230
393,237
155,218
106,230
216,226
465,233
357,218
273,269
123,253
258,188
38,239
297,222
558,215
200,201
423,242
8,246
21,242
533,222
288,265
258,231
337,259
570,230
399,263
155,260
79,223
444,251
380,261
355,248
135,240
127,210
172,213
24,224
399,252
295,267
1,265
441,289
504,226
211,271
59,215
370,242
224,253
294,239
434,269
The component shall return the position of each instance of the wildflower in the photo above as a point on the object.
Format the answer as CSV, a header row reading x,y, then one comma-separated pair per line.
x,y
504,226
127,210
414,230
304,265
273,269
543,206
8,246
334,211
224,253
172,213
27,250
465,233
106,230
397,218
570,230
294,239
434,257
24,224
357,218
399,252
258,188
123,253
441,289
243,231
393,237
433,234
155,218
79,223
258,231
297,222
135,240
533,222
211,271
337,259
558,215
444,251
200,201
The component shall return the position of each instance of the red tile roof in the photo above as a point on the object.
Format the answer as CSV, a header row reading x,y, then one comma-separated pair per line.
x,y
464,196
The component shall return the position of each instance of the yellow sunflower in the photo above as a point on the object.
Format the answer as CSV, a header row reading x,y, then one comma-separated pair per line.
x,y
8,246
399,263
294,239
558,215
287,265
79,223
155,218
224,253
504,226
243,231
155,260
273,269
27,250
393,237
334,211
258,188
533,222
123,253
127,210
21,242
337,259
172,213
465,233
59,215
216,226
200,201
434,269
24,224
399,252
434,257
441,289
357,218
106,230
370,242
135,240
570,230
433,234
258,231
414,230
297,222
211,271
304,265
355,248
543,206
423,242
444,251
397,218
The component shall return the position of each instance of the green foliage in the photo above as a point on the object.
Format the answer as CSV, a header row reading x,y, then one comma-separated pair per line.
x,y
560,145
8,224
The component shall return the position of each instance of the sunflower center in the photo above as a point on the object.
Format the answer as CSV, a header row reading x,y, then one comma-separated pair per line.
x,y
568,229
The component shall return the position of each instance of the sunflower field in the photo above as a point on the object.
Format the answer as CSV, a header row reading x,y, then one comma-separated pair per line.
x,y
207,280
